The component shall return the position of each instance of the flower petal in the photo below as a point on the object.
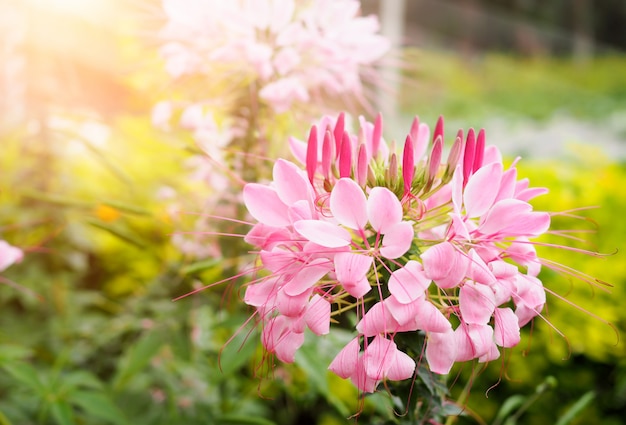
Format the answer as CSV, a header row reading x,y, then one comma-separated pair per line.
x,y
344,363
348,204
397,240
402,367
264,204
323,233
317,315
481,189
444,265
378,356
506,330
291,186
409,282
477,303
441,350
307,277
383,209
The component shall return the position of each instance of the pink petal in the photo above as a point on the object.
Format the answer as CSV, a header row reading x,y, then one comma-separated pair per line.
x,y
317,315
348,204
361,380
397,240
481,189
457,189
478,270
291,186
512,217
9,255
262,295
477,303
507,184
506,330
279,338
288,345
441,350
323,233
528,194
444,265
344,363
401,313
409,282
473,341
377,320
351,267
430,319
529,298
383,209
307,277
298,149
264,204
378,356
292,305
402,367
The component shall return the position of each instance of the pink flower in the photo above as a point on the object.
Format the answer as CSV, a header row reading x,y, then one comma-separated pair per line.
x,y
410,245
9,255
293,51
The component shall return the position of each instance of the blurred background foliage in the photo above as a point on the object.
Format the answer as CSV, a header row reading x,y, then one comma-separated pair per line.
x,y
89,333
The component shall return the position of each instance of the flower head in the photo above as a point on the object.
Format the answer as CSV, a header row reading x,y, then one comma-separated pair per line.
x,y
294,51
412,243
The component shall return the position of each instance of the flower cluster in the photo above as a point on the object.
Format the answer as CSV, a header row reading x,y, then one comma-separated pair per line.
x,y
293,50
411,242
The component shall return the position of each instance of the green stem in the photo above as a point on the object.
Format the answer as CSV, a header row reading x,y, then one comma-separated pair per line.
x,y
464,394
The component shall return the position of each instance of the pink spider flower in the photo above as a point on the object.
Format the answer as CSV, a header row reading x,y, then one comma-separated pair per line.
x,y
293,51
410,241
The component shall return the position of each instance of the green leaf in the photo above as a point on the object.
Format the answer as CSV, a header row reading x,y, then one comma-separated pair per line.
x,y
118,232
315,366
4,420
138,357
82,379
508,407
243,420
238,351
200,266
576,408
13,352
98,406
62,412
27,375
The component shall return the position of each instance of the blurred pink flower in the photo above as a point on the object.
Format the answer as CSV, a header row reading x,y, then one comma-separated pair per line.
x,y
9,255
293,50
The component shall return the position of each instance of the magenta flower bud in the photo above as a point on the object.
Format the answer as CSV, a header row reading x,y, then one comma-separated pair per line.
x,y
339,130
468,156
311,154
361,166
434,161
377,134
438,129
327,153
408,164
345,156
455,153
479,150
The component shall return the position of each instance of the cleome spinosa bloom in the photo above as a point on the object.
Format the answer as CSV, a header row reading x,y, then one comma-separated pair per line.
x,y
410,241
